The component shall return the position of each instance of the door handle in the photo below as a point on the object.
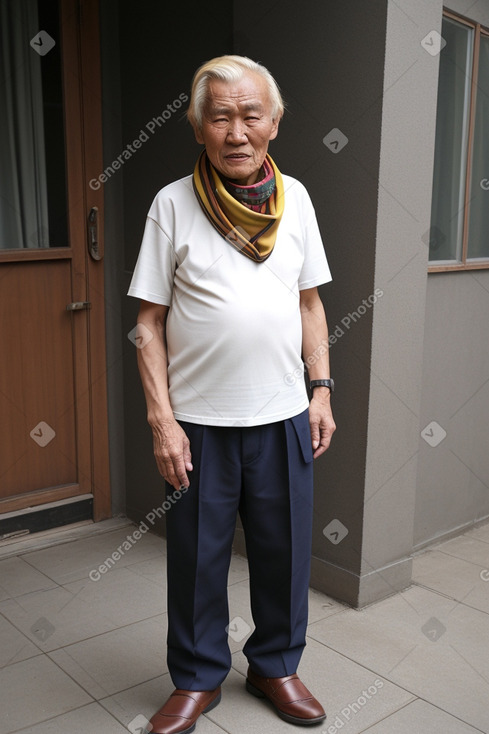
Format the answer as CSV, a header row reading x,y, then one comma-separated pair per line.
x,y
95,248
78,306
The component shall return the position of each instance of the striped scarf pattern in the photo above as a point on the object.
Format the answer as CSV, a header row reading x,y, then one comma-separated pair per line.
x,y
253,233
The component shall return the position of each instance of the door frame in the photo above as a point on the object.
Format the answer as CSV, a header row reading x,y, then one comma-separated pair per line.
x,y
82,87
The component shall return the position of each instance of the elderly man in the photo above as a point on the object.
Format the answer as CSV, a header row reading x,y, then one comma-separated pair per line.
x,y
227,276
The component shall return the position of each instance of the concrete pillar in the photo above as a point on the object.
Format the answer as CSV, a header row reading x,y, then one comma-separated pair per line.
x,y
403,220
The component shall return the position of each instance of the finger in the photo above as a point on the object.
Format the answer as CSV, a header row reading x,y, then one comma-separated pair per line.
x,y
326,436
180,477
314,435
162,467
187,456
168,470
320,450
324,443
172,479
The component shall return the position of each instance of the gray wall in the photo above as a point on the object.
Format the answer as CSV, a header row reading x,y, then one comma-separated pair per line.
x,y
453,477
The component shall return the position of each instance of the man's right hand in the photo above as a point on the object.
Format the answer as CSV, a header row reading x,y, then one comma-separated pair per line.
x,y
170,443
172,452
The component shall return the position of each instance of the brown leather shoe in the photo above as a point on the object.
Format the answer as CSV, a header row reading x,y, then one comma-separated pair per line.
x,y
179,714
289,696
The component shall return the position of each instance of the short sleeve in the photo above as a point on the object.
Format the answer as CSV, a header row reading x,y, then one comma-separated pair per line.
x,y
155,268
315,270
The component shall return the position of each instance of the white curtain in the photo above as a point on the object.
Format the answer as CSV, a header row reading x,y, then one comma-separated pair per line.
x,y
23,194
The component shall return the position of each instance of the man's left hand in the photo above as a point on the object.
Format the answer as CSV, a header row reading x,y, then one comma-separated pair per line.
x,y
321,422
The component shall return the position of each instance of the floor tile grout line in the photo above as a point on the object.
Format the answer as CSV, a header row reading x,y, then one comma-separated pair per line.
x,y
236,583
385,718
453,716
365,667
30,566
384,677
326,616
64,586
85,639
119,565
472,531
86,577
208,716
477,672
450,598
460,558
110,714
429,703
394,683
76,682
33,591
149,580
19,651
107,632
22,632
51,718
129,688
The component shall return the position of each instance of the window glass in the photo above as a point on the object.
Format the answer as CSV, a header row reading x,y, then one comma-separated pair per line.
x,y
32,148
447,213
478,243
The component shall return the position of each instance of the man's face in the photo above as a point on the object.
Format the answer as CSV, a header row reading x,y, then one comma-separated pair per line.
x,y
237,126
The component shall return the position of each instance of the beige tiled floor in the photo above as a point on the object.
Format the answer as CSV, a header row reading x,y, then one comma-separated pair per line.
x,y
84,656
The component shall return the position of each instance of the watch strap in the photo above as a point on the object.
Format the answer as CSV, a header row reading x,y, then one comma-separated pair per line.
x,y
322,383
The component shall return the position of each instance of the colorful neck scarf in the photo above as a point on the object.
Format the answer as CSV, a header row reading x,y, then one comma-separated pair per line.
x,y
257,195
251,232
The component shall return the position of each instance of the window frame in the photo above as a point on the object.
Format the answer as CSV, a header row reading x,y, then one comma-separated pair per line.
x,y
464,264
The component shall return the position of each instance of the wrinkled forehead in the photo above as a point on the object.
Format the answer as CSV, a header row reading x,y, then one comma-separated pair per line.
x,y
249,92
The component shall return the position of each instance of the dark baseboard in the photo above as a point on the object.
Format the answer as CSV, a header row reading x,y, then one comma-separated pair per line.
x,y
46,517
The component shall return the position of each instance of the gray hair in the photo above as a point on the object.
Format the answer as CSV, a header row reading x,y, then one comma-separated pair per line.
x,y
229,69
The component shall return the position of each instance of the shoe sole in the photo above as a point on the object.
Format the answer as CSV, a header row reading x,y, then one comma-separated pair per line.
x,y
211,706
286,717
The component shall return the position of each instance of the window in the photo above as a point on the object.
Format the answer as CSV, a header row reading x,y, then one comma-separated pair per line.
x,y
33,211
459,234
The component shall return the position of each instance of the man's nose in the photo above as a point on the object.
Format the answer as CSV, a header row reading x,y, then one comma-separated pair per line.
x,y
237,132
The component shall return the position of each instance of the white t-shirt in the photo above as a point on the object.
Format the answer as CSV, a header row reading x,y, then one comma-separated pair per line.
x,y
234,327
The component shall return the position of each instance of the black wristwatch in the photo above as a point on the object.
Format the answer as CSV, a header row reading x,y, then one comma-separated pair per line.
x,y
322,383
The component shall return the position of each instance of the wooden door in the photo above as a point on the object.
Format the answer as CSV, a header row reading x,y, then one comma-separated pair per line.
x,y
53,419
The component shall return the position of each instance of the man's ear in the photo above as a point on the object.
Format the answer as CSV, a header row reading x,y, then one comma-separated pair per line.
x,y
274,132
198,135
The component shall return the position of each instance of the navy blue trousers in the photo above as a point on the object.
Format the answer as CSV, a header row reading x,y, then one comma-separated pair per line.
x,y
265,474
